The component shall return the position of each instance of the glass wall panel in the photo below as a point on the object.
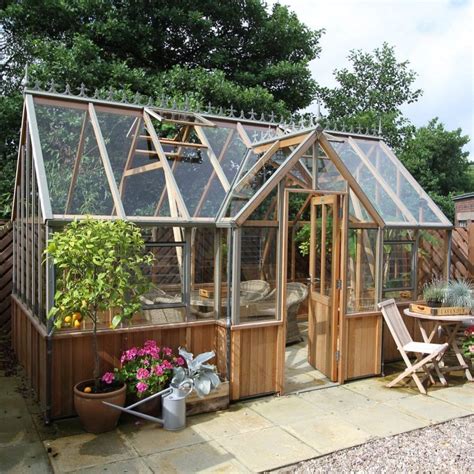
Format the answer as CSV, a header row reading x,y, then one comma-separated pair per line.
x,y
258,274
398,264
202,274
361,270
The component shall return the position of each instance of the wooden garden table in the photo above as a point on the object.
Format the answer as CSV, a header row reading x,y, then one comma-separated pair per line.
x,y
451,325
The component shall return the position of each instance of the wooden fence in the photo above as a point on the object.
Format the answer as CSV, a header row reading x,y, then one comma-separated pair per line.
x,y
462,255
6,268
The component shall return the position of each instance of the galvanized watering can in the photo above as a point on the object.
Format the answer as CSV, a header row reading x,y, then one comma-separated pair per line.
x,y
173,408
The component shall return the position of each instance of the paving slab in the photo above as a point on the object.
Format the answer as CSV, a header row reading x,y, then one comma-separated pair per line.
x,y
17,430
376,390
337,400
147,438
12,404
204,457
87,450
327,433
24,458
428,408
382,420
284,410
237,420
460,396
130,466
267,449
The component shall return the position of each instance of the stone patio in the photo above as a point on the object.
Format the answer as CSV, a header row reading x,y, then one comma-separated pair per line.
x,y
254,436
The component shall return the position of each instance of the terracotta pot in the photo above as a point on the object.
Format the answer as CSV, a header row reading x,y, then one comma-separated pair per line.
x,y
94,415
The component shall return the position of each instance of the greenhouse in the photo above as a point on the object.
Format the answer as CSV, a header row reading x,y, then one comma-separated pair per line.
x,y
274,242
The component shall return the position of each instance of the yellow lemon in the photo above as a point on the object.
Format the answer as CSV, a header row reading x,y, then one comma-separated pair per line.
x,y
76,316
67,319
77,324
88,390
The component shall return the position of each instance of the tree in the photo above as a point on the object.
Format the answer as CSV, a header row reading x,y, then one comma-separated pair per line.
x,y
435,157
374,89
238,53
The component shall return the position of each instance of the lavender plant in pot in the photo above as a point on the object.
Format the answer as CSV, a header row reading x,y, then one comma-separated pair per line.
x,y
434,293
99,272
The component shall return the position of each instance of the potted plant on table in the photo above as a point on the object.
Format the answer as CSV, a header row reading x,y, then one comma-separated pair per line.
x,y
99,271
434,293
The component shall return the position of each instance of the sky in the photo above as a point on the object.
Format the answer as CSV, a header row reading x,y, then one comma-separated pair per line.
x,y
435,36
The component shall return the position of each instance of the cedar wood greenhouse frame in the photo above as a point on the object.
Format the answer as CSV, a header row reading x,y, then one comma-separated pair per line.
x,y
227,204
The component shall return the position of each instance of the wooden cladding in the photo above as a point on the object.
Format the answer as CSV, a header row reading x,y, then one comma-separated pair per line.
x,y
72,356
254,361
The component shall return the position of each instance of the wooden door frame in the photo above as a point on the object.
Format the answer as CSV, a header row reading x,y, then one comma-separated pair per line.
x,y
283,267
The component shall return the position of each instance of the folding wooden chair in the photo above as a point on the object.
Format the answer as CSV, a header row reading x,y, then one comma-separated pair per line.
x,y
405,344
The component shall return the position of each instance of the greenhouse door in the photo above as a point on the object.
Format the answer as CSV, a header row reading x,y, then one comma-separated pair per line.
x,y
325,248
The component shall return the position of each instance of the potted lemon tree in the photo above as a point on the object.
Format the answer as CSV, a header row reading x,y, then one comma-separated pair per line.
x,y
99,271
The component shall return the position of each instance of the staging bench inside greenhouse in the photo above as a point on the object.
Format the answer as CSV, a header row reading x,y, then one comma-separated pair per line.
x,y
255,226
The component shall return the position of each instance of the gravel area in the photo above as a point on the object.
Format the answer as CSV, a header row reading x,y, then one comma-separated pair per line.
x,y
443,448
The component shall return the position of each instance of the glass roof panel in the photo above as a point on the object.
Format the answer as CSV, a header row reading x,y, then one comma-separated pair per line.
x,y
369,183
141,179
75,173
91,192
250,183
393,173
59,130
194,175
228,148
258,133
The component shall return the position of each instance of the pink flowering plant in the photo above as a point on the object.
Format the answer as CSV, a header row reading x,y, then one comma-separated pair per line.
x,y
468,344
146,370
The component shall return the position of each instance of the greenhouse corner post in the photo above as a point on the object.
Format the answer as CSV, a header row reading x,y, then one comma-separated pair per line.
x,y
50,291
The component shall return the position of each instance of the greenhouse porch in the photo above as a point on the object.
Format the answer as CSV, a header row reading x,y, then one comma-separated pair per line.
x,y
266,235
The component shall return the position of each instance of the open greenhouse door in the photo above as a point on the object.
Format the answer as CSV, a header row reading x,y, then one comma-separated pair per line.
x,y
325,252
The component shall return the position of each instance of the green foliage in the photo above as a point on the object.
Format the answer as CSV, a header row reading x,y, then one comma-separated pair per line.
x,y
239,53
435,291
460,294
375,87
436,159
99,268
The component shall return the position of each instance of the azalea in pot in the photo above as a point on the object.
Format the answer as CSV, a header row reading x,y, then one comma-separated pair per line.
x,y
99,270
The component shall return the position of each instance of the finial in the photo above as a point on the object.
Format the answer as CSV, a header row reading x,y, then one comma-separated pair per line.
x,y
52,86
209,108
82,90
318,111
24,81
252,114
242,114
96,94
262,117
110,94
220,111
380,127
272,117
231,111
136,98
37,85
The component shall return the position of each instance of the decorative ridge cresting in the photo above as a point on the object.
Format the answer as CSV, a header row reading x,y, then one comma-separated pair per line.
x,y
288,124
